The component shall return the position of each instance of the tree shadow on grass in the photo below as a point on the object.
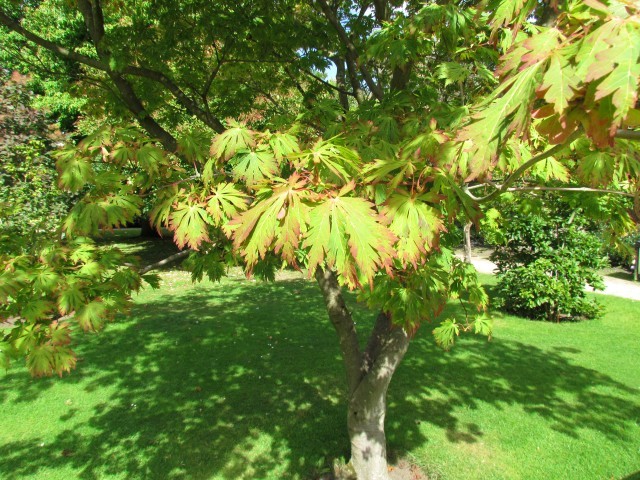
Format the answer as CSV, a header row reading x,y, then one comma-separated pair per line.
x,y
244,380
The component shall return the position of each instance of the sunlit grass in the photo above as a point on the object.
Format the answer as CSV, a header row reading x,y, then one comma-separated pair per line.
x,y
243,380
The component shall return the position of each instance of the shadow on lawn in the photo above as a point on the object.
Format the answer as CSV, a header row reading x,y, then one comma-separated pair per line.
x,y
243,380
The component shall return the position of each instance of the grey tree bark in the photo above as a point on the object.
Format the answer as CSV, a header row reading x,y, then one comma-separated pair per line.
x,y
369,374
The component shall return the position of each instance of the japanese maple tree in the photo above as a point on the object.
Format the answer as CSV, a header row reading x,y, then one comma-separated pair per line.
x,y
251,154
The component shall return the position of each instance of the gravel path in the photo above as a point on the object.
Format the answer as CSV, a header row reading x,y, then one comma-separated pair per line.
x,y
613,286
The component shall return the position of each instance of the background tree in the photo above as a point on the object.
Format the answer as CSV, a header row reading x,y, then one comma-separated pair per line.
x,y
355,182
546,251
30,199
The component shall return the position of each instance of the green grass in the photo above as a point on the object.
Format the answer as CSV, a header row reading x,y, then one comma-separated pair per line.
x,y
243,380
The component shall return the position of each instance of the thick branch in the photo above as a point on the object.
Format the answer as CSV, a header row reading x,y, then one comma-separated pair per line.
x,y
173,258
57,49
628,134
341,81
376,340
343,323
147,122
351,48
179,95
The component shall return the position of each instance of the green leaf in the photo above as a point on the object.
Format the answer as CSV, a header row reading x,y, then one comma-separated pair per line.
x,y
346,233
225,202
236,138
597,168
190,224
91,316
415,224
446,333
483,325
255,166
75,170
208,264
37,309
283,145
70,299
45,279
551,168
559,84
332,161
452,72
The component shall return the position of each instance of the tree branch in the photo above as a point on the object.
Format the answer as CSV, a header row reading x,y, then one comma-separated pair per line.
x,y
329,85
352,51
628,134
557,189
523,168
171,259
53,47
179,95
343,323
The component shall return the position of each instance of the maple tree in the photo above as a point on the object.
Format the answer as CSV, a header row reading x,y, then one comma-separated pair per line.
x,y
436,108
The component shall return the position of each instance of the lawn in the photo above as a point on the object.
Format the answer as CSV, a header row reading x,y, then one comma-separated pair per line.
x,y
242,380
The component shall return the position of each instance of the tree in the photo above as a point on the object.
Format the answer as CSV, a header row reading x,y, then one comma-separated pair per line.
x,y
354,181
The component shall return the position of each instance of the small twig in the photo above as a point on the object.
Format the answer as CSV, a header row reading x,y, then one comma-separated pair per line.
x,y
523,168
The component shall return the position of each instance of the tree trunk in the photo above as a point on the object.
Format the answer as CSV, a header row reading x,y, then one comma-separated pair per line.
x,y
368,376
467,242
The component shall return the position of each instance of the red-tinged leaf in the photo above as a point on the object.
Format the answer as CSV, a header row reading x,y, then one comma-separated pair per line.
x,y
496,121
541,46
255,230
594,43
558,84
70,299
59,333
622,81
556,129
598,124
40,360
346,232
45,360
190,223
415,224
91,316
225,202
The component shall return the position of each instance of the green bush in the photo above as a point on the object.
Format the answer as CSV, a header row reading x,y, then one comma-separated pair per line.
x,y
546,256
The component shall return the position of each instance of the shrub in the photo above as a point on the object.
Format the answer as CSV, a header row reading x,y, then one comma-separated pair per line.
x,y
545,258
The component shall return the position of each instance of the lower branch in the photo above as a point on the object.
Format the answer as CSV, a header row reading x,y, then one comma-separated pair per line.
x,y
173,258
